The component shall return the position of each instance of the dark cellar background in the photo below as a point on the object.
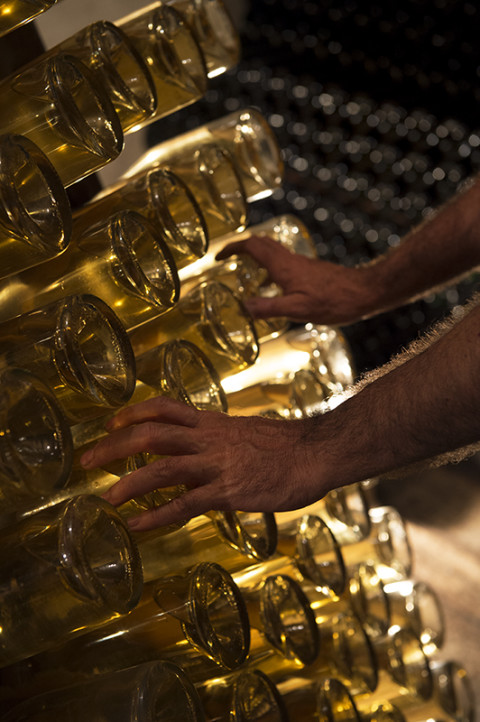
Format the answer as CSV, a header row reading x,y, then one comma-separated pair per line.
x,y
375,108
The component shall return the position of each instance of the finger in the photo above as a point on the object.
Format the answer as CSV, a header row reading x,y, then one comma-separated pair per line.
x,y
193,503
159,474
161,408
262,248
274,307
150,437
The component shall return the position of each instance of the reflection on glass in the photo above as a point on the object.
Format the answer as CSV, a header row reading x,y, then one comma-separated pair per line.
x,y
58,103
227,538
151,692
35,441
196,620
244,134
214,31
125,260
14,13
246,696
211,317
69,568
404,669
387,546
35,216
164,39
315,550
165,200
79,349
415,605
118,67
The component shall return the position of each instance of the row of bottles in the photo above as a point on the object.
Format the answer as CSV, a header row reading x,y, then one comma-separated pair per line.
x,y
231,615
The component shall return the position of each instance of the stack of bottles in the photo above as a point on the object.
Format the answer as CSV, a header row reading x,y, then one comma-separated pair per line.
x,y
231,616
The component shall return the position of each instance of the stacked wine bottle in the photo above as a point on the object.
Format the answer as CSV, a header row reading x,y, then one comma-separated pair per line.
x,y
301,615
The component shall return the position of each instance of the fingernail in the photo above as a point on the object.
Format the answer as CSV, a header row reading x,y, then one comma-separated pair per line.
x,y
86,458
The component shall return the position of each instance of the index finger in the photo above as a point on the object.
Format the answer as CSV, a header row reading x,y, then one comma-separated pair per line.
x,y
161,408
261,248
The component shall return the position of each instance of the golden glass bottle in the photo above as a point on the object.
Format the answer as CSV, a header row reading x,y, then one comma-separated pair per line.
x,y
315,551
176,64
36,447
369,600
246,696
345,652
67,569
277,381
327,699
152,692
59,104
177,369
281,617
403,669
415,605
35,216
214,31
335,703
286,229
197,620
234,540
452,698
211,317
118,67
165,200
245,134
343,510
387,546
79,349
124,260
14,13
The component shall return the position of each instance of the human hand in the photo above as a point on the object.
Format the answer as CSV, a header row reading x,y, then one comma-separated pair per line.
x,y
313,290
226,463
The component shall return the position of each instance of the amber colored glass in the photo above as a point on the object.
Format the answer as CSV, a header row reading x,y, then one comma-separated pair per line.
x,y
119,68
387,546
246,278
280,613
58,103
244,134
79,349
246,696
36,447
369,600
452,698
315,550
165,200
211,317
345,652
14,13
294,375
125,260
415,605
343,510
197,620
175,62
404,669
335,703
152,692
226,538
35,215
66,569
215,33
178,370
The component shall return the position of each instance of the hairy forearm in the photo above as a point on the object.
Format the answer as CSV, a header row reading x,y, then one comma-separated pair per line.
x,y
445,246
426,406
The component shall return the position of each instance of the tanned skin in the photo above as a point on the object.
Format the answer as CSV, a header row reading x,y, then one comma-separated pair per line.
x,y
424,405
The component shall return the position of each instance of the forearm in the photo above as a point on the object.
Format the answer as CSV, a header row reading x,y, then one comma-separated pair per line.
x,y
442,248
426,406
